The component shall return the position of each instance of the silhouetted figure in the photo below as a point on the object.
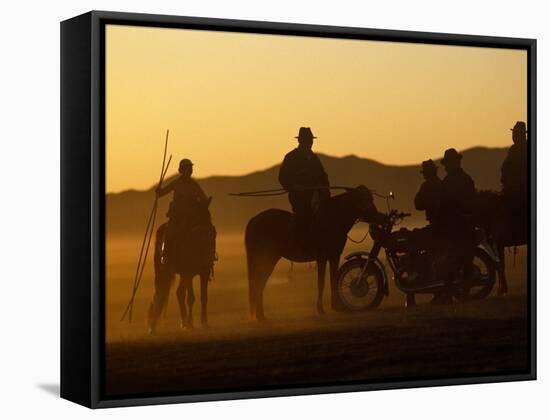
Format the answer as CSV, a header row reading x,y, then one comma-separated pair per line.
x,y
514,172
458,193
188,215
457,201
428,198
268,239
185,245
187,195
305,179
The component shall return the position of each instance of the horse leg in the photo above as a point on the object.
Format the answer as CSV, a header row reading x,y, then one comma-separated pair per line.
x,y
334,262
260,286
190,301
205,278
163,280
180,293
259,270
321,269
503,282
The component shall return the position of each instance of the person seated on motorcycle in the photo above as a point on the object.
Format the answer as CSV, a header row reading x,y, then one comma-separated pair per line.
x,y
428,199
189,206
514,174
302,175
457,200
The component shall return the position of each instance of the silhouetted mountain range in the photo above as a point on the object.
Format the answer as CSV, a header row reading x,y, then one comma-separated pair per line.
x,y
127,211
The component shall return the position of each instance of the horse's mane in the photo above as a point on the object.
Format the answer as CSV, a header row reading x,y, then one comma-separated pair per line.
x,y
341,197
343,200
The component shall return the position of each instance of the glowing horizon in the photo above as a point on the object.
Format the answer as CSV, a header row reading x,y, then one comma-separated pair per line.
x,y
173,168
246,95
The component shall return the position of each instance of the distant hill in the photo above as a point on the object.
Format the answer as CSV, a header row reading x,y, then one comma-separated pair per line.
x,y
127,211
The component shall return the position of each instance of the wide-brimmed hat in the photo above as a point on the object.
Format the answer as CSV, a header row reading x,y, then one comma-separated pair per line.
x,y
451,155
428,166
520,126
305,132
186,162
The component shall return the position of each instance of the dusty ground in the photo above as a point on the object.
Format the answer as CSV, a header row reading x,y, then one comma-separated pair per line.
x,y
298,347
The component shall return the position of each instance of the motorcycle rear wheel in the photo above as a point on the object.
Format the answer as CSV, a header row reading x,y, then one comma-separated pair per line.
x,y
358,295
487,269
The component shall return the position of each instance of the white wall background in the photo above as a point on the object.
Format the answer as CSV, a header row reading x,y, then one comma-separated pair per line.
x,y
29,177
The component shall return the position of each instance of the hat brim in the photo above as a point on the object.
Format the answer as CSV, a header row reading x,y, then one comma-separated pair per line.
x,y
526,131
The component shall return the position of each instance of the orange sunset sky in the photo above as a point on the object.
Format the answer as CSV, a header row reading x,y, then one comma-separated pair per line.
x,y
234,102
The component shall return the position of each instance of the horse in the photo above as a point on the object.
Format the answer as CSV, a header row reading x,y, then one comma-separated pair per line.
x,y
269,237
188,262
503,227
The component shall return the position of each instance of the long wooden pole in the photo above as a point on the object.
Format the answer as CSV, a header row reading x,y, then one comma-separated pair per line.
x,y
144,250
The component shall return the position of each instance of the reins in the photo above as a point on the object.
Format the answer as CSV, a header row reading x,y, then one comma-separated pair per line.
x,y
282,191
359,241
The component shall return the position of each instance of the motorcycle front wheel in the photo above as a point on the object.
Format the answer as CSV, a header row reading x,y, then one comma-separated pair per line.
x,y
483,278
358,294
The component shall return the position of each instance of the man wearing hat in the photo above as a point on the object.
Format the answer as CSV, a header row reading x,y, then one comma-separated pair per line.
x,y
188,202
187,191
428,197
514,170
303,176
458,190
457,201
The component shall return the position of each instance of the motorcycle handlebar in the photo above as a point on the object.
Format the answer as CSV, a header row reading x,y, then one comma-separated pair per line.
x,y
398,215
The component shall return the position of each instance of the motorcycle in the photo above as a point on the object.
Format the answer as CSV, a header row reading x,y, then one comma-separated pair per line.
x,y
362,281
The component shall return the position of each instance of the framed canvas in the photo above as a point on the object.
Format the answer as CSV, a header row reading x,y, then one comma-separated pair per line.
x,y
256,209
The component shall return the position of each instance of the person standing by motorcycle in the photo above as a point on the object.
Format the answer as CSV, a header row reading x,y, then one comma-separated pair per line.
x,y
457,201
303,176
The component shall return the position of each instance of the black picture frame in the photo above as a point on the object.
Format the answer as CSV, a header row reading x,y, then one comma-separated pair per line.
x,y
83,202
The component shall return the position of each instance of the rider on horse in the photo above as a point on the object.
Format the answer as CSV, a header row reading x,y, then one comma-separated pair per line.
x,y
303,176
185,246
188,213
514,174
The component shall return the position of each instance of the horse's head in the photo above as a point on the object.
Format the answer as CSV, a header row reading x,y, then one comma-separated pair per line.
x,y
362,202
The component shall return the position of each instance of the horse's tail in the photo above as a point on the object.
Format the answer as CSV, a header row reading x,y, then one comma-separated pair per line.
x,y
250,272
163,279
